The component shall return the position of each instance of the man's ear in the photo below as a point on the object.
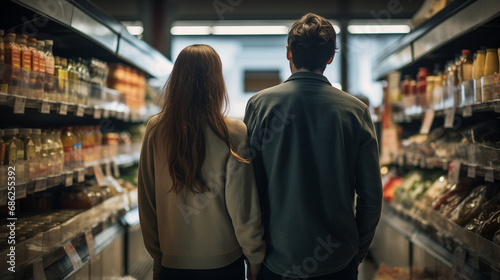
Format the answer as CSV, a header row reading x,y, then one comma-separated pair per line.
x,y
331,59
288,53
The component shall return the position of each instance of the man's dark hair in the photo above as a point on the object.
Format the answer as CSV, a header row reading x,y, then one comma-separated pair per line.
x,y
313,41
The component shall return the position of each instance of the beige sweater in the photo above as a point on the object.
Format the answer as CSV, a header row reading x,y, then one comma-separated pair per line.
x,y
207,230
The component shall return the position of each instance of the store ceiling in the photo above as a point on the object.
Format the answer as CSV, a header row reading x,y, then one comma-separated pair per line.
x,y
263,9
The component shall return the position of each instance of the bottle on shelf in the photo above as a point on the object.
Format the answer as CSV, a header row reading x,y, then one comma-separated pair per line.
x,y
98,138
20,146
22,41
40,45
413,97
12,56
29,153
73,79
84,81
405,90
45,162
52,148
34,89
70,144
481,59
465,78
78,147
55,136
490,68
49,87
466,66
64,87
451,83
457,98
11,146
37,141
437,96
422,88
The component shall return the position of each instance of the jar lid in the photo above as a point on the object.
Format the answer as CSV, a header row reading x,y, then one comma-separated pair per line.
x,y
49,42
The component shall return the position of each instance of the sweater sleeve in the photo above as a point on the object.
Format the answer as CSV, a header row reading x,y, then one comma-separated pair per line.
x,y
147,200
368,186
243,206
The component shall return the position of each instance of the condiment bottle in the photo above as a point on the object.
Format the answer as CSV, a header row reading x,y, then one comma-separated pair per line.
x,y
69,142
2,147
10,146
13,62
466,66
35,69
481,58
49,70
491,62
40,45
22,41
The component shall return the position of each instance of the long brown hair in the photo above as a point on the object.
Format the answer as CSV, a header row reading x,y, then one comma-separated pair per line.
x,y
194,96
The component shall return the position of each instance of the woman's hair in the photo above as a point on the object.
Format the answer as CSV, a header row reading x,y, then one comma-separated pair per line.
x,y
194,96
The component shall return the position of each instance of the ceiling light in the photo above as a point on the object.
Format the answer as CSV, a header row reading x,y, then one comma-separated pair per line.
x,y
190,30
251,30
135,30
378,29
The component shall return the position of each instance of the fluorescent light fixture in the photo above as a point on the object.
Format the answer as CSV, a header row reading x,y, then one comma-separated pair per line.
x,y
336,28
378,29
190,30
251,30
135,30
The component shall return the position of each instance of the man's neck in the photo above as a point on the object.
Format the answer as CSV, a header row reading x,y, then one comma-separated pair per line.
x,y
317,71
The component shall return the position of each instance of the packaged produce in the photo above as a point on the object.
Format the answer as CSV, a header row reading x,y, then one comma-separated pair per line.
x,y
448,201
473,203
490,226
437,188
487,211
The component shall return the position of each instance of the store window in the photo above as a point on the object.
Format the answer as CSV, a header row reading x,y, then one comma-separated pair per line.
x,y
256,80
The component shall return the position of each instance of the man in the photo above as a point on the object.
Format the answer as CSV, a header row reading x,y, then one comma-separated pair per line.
x,y
313,148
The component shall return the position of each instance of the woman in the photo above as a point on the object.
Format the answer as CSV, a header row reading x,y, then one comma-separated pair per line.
x,y
198,203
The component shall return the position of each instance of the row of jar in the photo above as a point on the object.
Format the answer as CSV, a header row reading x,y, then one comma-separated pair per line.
x,y
39,153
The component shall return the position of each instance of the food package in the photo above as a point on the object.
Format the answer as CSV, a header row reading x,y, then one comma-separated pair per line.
x,y
392,184
437,188
449,200
487,211
489,228
473,203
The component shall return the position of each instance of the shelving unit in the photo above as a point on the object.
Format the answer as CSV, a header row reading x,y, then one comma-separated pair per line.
x,y
92,243
463,24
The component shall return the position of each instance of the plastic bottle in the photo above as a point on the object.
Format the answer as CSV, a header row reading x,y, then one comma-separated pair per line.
x,y
59,151
78,146
35,70
64,87
73,77
69,141
10,146
22,41
40,45
49,70
45,163
20,146
29,145
12,57
52,149
37,141
2,147
491,62
481,59
421,87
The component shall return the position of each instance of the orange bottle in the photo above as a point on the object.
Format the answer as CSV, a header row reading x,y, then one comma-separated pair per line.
x,y
35,69
12,55
69,142
22,41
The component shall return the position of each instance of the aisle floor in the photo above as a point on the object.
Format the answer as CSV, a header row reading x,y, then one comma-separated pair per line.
x,y
367,271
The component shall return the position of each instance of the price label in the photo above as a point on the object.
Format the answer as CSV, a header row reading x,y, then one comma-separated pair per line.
x,y
90,244
97,113
63,109
458,263
80,111
81,175
497,107
38,270
73,255
68,180
467,111
99,175
19,105
427,122
454,172
107,169
20,191
116,170
105,114
450,118
471,171
489,174
45,109
40,184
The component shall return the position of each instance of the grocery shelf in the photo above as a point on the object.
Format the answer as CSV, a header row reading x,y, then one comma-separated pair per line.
x,y
464,110
405,223
82,18
100,222
459,25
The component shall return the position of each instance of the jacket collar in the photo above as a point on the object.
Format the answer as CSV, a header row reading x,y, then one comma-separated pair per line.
x,y
308,75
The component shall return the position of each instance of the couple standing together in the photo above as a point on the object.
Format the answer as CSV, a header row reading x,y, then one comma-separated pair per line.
x,y
294,190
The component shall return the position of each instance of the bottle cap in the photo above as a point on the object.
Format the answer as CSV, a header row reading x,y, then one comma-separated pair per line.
x,y
40,43
491,50
25,131
10,131
466,52
32,40
49,42
36,131
481,51
23,36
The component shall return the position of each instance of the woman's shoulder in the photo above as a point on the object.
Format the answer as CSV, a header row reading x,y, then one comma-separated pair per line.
x,y
237,129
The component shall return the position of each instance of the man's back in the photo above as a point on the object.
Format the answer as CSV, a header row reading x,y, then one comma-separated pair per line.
x,y
313,146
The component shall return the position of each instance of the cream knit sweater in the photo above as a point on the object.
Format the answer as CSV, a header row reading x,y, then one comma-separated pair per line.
x,y
200,230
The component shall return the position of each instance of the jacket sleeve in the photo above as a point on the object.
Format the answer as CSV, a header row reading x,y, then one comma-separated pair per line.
x,y
368,185
242,203
147,200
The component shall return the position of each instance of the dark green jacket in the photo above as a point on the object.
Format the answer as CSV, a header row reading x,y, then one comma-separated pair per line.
x,y
313,147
